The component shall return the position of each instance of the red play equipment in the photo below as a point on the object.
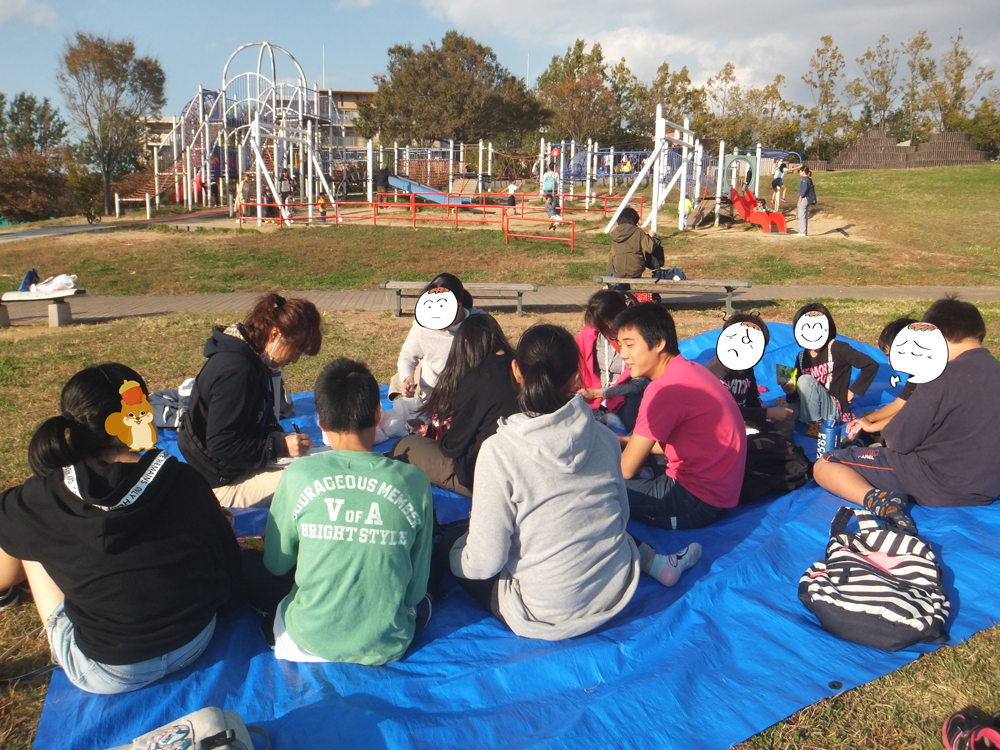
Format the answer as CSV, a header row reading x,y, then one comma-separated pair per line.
x,y
746,207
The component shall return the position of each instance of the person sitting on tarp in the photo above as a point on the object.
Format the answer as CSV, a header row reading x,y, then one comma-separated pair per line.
x,y
942,446
689,428
129,557
357,527
632,250
425,351
546,550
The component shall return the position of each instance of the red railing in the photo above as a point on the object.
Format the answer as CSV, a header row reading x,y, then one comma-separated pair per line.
x,y
508,234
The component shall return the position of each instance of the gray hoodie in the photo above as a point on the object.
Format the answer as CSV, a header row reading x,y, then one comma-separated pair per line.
x,y
549,515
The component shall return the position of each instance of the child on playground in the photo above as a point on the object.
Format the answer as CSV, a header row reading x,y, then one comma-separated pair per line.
x,y
608,386
425,351
778,183
942,445
688,418
357,528
546,551
823,369
874,421
476,388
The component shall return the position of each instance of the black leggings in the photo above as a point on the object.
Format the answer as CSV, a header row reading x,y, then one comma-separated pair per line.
x,y
485,592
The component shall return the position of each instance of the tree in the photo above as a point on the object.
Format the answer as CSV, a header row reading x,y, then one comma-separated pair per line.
x,y
985,125
458,90
576,63
878,68
574,90
825,119
110,94
28,126
915,96
628,94
673,89
581,108
720,90
32,186
950,92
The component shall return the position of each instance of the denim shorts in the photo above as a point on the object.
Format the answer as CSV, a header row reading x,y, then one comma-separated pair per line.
x,y
109,679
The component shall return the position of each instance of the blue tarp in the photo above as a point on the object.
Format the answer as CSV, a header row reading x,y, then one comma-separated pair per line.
x,y
718,658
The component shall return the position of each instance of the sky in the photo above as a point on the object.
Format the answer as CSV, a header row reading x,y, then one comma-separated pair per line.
x,y
192,39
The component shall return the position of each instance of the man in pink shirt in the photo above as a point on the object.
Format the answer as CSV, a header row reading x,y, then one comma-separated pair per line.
x,y
687,419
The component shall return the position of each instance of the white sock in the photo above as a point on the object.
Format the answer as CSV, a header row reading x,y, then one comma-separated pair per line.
x,y
667,569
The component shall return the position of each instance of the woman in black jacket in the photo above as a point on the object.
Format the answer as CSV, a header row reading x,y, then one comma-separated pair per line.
x,y
230,431
129,557
475,389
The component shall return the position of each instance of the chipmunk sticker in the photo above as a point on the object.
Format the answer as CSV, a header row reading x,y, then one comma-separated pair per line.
x,y
921,351
812,330
134,424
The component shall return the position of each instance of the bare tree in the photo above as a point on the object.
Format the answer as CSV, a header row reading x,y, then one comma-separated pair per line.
x,y
110,94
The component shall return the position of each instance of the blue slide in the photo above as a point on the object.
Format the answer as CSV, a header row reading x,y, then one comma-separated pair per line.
x,y
426,192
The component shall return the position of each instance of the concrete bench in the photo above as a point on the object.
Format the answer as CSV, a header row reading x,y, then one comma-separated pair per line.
x,y
677,287
59,312
415,288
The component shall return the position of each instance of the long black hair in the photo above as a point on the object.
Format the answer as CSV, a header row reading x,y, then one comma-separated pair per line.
x,y
452,283
478,337
78,432
547,358
602,309
816,307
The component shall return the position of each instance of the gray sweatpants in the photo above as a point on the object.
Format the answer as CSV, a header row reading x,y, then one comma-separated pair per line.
x,y
803,215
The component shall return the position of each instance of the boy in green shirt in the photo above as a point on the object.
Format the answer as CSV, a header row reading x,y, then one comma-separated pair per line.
x,y
358,529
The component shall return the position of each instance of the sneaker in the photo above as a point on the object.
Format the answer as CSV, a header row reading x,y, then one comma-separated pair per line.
x,y
801,234
966,730
9,598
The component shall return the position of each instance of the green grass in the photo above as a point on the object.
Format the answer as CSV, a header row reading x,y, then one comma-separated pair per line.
x,y
902,710
894,228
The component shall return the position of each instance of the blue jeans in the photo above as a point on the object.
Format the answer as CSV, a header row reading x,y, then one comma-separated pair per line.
x,y
815,401
629,411
109,679
664,503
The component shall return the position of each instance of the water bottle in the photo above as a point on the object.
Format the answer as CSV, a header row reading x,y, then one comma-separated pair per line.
x,y
829,437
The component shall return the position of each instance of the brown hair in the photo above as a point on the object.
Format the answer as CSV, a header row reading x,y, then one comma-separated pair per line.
x,y
297,320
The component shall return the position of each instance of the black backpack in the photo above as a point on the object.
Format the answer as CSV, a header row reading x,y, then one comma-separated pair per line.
x,y
773,465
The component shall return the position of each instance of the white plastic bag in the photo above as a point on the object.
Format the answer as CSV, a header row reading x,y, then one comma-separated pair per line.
x,y
60,283
394,420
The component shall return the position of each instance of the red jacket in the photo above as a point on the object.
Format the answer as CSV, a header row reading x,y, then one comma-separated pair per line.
x,y
586,341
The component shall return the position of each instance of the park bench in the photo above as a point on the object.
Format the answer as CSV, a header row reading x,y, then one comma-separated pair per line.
x,y
677,287
59,312
415,288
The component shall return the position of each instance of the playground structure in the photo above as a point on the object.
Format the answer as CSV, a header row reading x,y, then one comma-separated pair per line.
x,y
255,126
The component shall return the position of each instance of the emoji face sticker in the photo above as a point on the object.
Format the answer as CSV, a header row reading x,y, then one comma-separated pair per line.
x,y
740,346
812,330
437,309
921,351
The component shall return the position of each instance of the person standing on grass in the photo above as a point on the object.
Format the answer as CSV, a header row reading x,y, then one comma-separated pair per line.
x,y
942,445
688,425
807,197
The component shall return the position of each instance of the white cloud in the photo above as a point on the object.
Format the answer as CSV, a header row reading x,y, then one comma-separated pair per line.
x,y
26,10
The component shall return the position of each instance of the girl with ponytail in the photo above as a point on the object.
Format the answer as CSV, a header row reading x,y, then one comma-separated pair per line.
x,y
546,549
230,432
98,523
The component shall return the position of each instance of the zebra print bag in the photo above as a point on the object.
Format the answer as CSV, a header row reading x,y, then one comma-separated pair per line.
x,y
877,587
